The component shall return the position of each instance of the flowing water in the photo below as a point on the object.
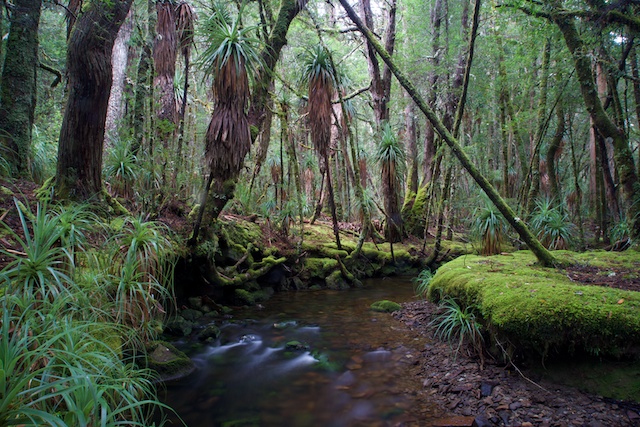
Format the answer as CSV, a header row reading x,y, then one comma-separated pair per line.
x,y
306,359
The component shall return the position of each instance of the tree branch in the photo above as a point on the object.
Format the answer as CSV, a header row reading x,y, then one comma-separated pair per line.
x,y
53,71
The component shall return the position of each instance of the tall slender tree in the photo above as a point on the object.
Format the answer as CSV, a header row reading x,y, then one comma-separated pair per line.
x,y
79,168
18,85
231,59
321,80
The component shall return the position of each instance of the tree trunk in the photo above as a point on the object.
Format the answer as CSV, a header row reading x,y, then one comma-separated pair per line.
x,y
636,90
380,81
411,144
534,188
119,61
143,84
605,126
544,256
552,151
429,133
79,167
18,92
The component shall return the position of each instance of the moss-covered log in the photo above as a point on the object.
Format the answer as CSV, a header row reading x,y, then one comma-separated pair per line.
x,y
542,310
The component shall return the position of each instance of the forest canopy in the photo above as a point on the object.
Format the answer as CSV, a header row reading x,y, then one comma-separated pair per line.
x,y
286,110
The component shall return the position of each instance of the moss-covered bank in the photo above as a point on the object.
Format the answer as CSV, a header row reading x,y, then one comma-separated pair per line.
x,y
242,263
541,309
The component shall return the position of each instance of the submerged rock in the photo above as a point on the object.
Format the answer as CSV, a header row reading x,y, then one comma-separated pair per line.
x,y
385,306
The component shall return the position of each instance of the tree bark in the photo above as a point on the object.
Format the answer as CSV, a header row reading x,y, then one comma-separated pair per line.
x,y
119,61
543,255
380,81
636,90
80,147
552,152
411,144
18,92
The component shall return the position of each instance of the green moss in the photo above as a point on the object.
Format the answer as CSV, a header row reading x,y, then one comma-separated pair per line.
x,y
385,306
336,281
319,267
245,297
168,361
540,309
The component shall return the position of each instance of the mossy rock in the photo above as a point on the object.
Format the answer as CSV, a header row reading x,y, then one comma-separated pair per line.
x,y
385,306
540,309
168,361
191,315
179,327
209,333
336,281
244,297
318,268
296,345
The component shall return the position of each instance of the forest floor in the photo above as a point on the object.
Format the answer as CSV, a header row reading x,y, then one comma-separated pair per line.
x,y
493,394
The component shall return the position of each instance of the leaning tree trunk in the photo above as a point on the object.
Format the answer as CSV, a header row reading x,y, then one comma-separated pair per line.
x,y
544,256
79,167
18,93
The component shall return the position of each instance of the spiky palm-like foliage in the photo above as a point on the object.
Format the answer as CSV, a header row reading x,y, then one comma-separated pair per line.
x,y
318,74
457,326
490,226
37,271
391,158
121,169
185,19
231,59
164,58
552,225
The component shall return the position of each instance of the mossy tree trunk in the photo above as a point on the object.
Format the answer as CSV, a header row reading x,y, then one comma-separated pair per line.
x,y
18,92
143,83
79,168
554,149
544,256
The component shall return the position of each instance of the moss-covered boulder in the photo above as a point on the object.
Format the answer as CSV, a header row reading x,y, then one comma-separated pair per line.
x,y
168,361
209,333
542,309
385,306
179,327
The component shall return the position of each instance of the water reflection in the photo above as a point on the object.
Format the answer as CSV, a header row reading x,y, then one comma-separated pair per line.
x,y
307,359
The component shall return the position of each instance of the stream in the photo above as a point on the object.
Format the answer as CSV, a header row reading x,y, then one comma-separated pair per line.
x,y
305,359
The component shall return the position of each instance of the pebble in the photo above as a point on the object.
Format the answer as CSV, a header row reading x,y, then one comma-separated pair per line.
x,y
498,396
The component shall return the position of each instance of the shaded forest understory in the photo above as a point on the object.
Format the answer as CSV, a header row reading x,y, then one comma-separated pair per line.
x,y
160,158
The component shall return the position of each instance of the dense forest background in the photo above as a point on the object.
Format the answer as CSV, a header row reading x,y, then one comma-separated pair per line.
x,y
542,97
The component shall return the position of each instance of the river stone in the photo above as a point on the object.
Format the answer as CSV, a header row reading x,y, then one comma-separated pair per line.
x,y
485,389
385,306
179,327
168,361
191,314
209,333
296,345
